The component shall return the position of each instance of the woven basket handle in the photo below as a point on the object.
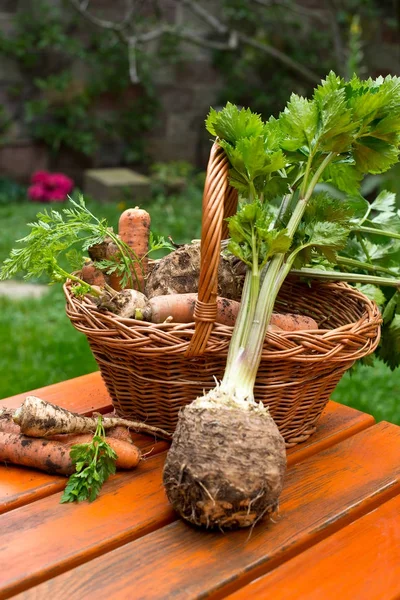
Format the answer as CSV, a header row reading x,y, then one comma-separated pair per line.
x,y
219,202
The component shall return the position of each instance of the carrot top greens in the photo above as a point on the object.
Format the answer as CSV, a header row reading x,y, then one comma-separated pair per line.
x,y
70,233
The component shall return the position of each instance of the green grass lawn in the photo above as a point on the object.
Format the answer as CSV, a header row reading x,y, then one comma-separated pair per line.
x,y
41,347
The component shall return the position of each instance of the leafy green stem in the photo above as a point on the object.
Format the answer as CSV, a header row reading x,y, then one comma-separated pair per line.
x,y
376,231
72,277
358,264
302,203
349,277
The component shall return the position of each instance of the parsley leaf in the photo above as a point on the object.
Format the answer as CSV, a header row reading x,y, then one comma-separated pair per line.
x,y
94,463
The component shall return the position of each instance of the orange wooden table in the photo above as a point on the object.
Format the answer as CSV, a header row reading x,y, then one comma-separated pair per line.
x,y
337,535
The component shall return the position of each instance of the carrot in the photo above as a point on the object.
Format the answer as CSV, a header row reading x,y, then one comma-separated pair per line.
x,y
117,433
53,456
92,275
134,230
128,455
120,433
7,424
45,455
114,278
180,307
38,418
289,322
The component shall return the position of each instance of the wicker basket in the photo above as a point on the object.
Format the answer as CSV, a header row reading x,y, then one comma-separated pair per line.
x,y
152,370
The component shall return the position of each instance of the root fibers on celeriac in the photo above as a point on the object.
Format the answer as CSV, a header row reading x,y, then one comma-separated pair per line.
x,y
225,467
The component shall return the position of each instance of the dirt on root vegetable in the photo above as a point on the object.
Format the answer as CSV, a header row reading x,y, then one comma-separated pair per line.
x,y
178,273
225,468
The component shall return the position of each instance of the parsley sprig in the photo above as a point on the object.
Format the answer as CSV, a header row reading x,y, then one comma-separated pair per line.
x,y
94,463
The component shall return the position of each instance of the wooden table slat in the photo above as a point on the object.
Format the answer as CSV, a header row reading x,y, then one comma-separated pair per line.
x,y
19,486
44,538
337,423
83,394
365,556
322,494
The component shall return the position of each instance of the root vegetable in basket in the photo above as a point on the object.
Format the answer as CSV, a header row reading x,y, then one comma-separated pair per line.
x,y
134,232
179,308
93,275
226,465
178,273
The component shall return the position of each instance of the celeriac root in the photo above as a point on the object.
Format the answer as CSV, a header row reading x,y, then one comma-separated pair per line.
x,y
38,418
226,466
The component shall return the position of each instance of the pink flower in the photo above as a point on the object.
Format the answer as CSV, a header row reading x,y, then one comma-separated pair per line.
x,y
50,187
39,177
55,195
36,192
60,181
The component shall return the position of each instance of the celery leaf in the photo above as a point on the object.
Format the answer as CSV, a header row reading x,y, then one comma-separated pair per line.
x,y
343,176
389,348
232,124
373,155
299,123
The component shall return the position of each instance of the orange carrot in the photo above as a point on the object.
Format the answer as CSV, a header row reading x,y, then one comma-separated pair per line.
x,y
53,456
114,278
45,455
92,275
120,433
7,424
128,455
181,308
289,322
134,230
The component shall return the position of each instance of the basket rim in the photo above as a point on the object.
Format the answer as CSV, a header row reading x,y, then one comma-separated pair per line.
x,y
348,342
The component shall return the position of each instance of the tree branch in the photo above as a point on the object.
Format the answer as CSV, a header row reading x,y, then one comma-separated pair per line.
x,y
82,7
188,36
205,15
282,57
132,59
232,41
337,37
296,8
